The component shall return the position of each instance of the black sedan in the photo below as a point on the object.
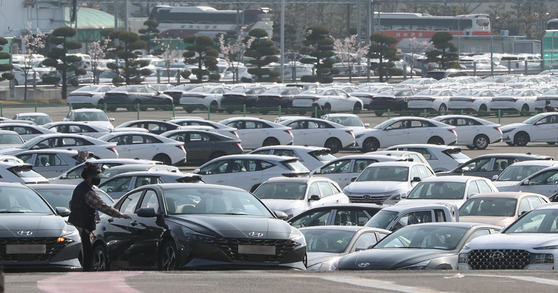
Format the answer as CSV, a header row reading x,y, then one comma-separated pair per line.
x,y
242,96
34,235
152,125
133,96
195,226
277,96
204,145
429,246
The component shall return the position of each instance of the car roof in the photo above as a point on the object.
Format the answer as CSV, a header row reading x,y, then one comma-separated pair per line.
x,y
297,179
535,163
412,207
454,224
291,147
505,194
452,178
518,155
345,228
424,145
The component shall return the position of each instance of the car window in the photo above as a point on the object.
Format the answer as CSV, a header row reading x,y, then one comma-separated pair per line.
x,y
341,166
477,165
361,164
416,218
365,241
535,201
473,189
326,189
316,218
144,180
440,216
523,206
483,186
218,167
502,163
287,153
314,189
128,205
117,184
261,152
150,200
544,178
425,152
478,233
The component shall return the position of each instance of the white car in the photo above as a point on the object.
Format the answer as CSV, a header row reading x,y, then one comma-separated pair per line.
x,y
543,182
328,99
404,130
256,132
248,171
473,132
20,172
10,139
101,149
91,116
26,131
205,96
77,128
319,132
453,190
310,156
344,169
387,182
529,243
37,118
349,120
73,175
198,121
91,95
542,127
522,100
431,99
440,157
296,195
148,146
50,162
518,171
473,99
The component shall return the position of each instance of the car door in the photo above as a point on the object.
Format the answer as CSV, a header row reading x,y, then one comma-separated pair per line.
x,y
197,145
330,194
396,133
117,232
141,146
545,183
253,134
147,232
316,134
546,129
49,165
299,130
475,167
338,171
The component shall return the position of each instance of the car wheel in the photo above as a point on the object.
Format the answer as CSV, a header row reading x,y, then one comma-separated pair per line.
x,y
379,113
163,159
100,259
525,108
483,108
189,109
270,141
333,144
214,106
443,109
481,142
370,145
436,140
167,261
357,107
521,139
550,143
327,107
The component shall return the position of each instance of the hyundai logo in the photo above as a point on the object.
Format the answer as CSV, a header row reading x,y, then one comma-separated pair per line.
x,y
363,265
24,233
496,255
367,196
255,234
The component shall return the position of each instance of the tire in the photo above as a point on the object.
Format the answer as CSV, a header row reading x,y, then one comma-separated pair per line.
x,y
270,141
189,109
379,113
357,107
100,259
214,107
481,141
327,107
163,159
443,109
483,108
333,144
436,140
521,139
370,145
550,143
525,108
168,257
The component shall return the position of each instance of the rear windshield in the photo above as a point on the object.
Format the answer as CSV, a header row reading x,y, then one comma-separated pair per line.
x,y
295,165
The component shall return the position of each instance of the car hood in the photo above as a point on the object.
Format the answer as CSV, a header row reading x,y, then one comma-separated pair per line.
x,y
389,258
504,184
320,257
511,126
375,186
31,224
514,241
236,226
454,202
498,221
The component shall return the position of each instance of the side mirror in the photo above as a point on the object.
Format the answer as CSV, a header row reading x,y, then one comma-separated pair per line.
x,y
353,179
62,211
281,215
495,177
112,119
317,171
197,171
146,212
416,179
366,124
314,197
525,182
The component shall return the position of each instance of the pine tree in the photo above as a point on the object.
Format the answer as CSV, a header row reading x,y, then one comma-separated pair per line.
x,y
319,45
381,49
201,52
263,53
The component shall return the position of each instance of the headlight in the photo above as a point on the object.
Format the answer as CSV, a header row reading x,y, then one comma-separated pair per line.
x,y
549,247
463,258
70,234
197,237
297,237
538,258
418,266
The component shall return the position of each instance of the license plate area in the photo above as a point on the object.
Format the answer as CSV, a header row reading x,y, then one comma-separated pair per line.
x,y
256,249
25,248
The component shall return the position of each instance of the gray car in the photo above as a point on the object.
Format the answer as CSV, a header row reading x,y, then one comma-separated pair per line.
x,y
118,185
418,247
50,163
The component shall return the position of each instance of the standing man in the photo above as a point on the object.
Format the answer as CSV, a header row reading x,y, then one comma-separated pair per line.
x,y
85,201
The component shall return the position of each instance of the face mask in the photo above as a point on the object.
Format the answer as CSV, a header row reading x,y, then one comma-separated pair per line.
x,y
96,181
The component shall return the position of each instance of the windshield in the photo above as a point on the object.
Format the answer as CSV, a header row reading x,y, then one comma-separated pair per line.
x,y
381,219
491,207
281,190
532,120
333,241
323,156
424,237
384,124
438,190
384,173
210,200
537,221
518,173
22,200
28,144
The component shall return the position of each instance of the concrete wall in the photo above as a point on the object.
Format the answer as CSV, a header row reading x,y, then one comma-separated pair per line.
x,y
18,94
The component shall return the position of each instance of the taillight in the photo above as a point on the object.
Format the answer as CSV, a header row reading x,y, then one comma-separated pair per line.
x,y
234,133
181,147
349,132
239,145
497,128
288,131
453,131
112,149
